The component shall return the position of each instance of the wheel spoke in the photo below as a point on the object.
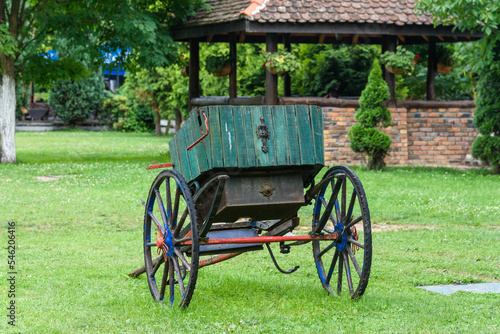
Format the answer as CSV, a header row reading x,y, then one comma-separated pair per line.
x,y
354,222
179,275
175,212
332,267
348,272
162,208
169,201
164,281
353,260
352,241
185,263
178,228
331,214
157,222
343,199
171,280
180,241
157,266
327,248
339,281
351,207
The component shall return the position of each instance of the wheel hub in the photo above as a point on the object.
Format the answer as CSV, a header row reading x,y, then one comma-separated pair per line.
x,y
340,237
165,243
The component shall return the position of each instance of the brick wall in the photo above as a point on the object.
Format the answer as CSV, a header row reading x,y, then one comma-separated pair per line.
x,y
420,137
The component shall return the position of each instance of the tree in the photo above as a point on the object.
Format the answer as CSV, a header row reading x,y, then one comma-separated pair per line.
x,y
365,137
138,30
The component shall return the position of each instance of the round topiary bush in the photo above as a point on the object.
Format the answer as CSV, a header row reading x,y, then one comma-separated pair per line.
x,y
74,101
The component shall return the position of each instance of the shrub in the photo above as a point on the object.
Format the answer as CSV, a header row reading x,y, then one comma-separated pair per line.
x,y
74,101
487,120
365,137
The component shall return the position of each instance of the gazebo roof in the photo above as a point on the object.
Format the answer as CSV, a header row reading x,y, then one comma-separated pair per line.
x,y
319,21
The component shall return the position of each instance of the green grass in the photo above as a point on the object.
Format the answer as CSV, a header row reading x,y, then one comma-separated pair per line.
x,y
79,235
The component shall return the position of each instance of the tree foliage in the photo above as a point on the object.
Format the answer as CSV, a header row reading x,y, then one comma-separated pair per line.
x,y
365,137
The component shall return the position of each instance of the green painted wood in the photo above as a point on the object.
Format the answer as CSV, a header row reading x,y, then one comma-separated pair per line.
x,y
239,134
262,159
316,115
305,135
200,147
206,141
230,154
174,155
280,136
215,140
188,133
181,149
293,135
273,135
249,135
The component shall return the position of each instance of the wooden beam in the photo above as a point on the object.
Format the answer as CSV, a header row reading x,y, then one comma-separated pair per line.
x,y
355,39
389,43
431,70
441,38
210,38
232,76
287,83
242,37
426,38
194,70
402,38
271,79
321,39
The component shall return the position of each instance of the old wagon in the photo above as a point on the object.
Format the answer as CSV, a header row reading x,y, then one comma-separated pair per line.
x,y
239,176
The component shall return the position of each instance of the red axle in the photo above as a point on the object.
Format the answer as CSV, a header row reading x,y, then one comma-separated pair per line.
x,y
265,240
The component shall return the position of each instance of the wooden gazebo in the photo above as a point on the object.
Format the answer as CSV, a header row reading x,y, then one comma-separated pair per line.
x,y
386,22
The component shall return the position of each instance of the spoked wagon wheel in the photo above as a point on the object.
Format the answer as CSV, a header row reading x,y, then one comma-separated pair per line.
x,y
169,220
341,209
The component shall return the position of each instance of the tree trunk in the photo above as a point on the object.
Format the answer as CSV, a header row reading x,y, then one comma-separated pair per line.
x,y
7,115
178,119
169,123
157,123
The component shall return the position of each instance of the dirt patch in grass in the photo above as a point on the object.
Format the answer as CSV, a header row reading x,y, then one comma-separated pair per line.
x,y
48,178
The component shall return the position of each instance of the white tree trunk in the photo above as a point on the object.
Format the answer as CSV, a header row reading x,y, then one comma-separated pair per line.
x,y
7,120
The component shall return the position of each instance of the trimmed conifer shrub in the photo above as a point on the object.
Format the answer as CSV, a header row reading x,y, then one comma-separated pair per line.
x,y
365,135
487,120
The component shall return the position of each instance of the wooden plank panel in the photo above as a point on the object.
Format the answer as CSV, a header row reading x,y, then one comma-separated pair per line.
x,y
261,158
192,157
316,115
174,155
305,135
239,134
227,135
249,135
280,136
206,141
215,139
268,113
199,149
293,136
181,149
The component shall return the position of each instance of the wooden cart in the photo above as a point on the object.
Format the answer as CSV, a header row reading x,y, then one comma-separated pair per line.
x,y
240,174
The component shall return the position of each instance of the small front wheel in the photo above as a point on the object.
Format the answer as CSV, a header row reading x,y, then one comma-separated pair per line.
x,y
341,209
171,231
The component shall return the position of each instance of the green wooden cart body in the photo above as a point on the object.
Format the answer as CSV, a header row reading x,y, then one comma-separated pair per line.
x,y
295,141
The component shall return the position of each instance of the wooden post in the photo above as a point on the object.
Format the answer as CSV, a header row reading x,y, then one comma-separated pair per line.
x,y
389,44
194,70
271,79
232,75
286,78
431,69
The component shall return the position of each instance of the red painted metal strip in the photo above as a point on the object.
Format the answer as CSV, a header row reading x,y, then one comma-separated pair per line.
x,y
265,240
160,166
216,259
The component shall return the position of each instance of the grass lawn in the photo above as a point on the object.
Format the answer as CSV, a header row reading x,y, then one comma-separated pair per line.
x,y
80,233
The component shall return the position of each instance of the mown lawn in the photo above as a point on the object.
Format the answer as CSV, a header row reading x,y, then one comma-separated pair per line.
x,y
79,234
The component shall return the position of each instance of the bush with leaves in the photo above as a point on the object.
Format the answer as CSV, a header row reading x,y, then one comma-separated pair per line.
x,y
365,137
487,120
74,101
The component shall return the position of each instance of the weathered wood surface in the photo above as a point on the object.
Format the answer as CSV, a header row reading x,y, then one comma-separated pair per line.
x,y
295,138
